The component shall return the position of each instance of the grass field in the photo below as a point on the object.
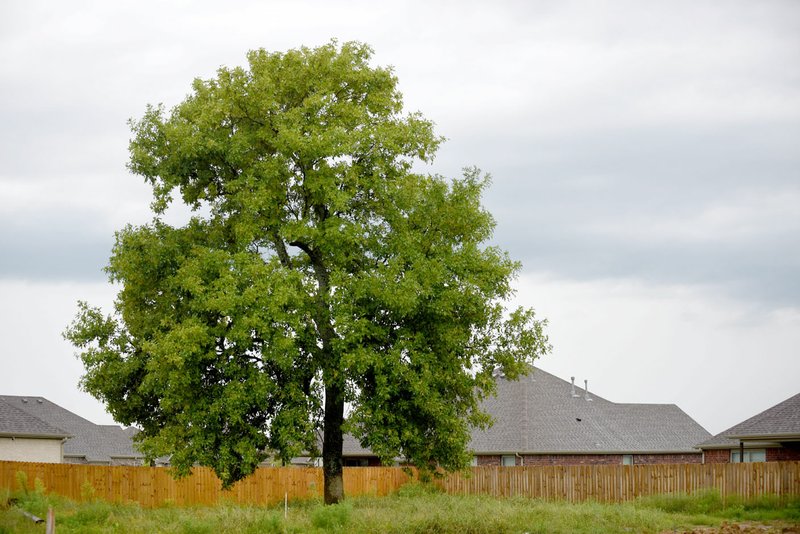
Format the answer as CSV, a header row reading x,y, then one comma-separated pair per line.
x,y
414,509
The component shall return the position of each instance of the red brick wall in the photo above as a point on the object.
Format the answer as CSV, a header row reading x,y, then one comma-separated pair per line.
x,y
573,459
717,456
593,459
790,452
688,458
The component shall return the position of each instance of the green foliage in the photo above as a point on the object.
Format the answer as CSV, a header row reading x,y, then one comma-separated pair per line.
x,y
318,270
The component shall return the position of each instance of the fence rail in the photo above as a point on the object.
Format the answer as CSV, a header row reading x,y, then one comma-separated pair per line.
x,y
153,486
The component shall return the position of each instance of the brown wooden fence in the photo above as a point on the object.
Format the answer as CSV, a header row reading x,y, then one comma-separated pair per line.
x,y
617,483
153,486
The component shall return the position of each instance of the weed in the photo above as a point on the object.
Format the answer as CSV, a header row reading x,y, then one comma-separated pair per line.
x,y
706,502
332,518
93,513
418,508
22,481
196,526
265,524
415,490
87,491
710,503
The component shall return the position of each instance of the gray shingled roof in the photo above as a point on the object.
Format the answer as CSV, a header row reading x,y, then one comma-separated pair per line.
x,y
783,419
351,447
95,443
538,415
17,423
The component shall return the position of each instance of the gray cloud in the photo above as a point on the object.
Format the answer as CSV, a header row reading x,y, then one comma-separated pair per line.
x,y
669,205
642,142
57,247
644,154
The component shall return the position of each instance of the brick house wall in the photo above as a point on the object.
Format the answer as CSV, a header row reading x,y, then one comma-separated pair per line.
x,y
790,452
687,458
592,459
573,459
717,456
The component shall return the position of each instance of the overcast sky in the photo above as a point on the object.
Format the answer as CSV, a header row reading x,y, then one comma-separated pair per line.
x,y
645,160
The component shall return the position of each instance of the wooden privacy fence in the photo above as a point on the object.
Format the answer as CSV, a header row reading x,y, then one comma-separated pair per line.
x,y
153,486
618,483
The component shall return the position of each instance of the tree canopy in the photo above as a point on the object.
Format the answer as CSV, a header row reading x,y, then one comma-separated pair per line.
x,y
318,272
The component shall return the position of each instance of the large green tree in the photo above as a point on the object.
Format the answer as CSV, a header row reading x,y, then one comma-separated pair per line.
x,y
319,272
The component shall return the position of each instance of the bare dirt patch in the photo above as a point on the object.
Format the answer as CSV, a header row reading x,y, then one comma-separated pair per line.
x,y
745,527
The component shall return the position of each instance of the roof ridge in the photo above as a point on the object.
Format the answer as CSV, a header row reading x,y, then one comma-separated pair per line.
x,y
541,414
52,405
88,439
27,423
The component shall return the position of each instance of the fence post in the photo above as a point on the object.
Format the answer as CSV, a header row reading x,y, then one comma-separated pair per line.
x,y
51,521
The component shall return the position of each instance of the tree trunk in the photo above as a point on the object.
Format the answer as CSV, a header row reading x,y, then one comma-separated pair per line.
x,y
332,441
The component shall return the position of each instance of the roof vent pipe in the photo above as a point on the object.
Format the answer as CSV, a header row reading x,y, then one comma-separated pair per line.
x,y
574,393
586,391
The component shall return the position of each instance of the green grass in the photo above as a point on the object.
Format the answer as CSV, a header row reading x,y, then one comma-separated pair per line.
x,y
414,509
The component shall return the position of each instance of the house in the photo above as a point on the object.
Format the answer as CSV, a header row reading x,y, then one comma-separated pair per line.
x,y
86,442
25,438
770,436
353,455
541,419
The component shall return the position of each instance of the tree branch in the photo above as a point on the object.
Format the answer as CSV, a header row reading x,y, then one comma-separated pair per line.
x,y
280,248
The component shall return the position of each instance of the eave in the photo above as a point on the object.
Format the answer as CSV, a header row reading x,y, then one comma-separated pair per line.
x,y
33,435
